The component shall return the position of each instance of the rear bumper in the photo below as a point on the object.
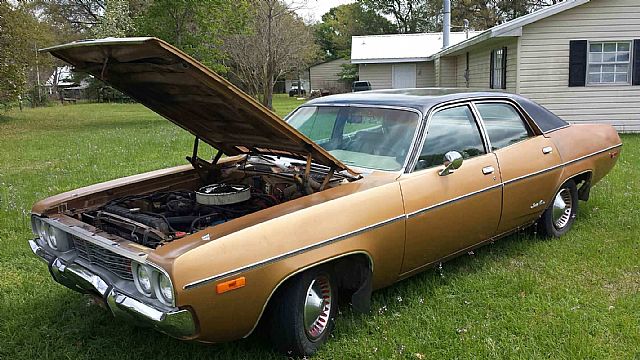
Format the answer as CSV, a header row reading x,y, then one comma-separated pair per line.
x,y
176,323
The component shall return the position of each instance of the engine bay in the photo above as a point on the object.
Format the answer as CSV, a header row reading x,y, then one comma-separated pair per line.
x,y
158,217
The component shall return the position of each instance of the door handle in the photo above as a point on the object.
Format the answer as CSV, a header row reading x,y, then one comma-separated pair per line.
x,y
487,170
547,150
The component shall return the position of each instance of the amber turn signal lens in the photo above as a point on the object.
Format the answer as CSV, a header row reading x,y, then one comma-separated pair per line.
x,y
230,285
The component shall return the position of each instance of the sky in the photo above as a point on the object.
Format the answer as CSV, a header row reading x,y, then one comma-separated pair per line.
x,y
314,9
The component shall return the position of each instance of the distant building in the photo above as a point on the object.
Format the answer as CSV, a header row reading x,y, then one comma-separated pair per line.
x,y
400,60
325,76
578,58
62,80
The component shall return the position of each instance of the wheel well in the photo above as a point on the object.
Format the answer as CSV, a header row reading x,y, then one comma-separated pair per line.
x,y
583,182
353,273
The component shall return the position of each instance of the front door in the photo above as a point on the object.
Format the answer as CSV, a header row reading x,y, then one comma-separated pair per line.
x,y
404,76
448,214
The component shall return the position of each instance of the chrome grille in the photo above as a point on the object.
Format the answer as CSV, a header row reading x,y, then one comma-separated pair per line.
x,y
99,256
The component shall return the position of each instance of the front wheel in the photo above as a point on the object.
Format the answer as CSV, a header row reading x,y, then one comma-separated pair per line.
x,y
302,316
561,214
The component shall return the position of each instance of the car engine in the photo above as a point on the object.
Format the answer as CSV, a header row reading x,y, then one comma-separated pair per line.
x,y
239,188
160,217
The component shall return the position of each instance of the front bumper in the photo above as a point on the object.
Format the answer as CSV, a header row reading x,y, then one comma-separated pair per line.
x,y
176,323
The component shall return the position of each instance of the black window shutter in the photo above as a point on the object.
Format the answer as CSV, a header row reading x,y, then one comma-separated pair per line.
x,y
504,68
577,63
636,62
491,69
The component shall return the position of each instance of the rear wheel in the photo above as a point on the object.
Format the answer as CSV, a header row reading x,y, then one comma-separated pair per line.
x,y
559,217
302,316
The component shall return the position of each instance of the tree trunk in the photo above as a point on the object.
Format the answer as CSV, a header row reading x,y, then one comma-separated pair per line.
x,y
267,92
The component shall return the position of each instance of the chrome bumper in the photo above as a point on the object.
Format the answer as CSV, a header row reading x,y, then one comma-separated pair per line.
x,y
178,323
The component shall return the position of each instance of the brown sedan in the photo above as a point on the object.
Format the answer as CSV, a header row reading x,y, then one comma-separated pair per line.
x,y
349,194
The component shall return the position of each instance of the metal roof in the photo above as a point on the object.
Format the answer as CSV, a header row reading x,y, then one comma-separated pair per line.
x,y
400,47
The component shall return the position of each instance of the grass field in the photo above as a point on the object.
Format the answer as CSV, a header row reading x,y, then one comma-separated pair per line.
x,y
577,297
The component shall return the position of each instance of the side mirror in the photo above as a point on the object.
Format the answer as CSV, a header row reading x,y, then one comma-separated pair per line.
x,y
452,161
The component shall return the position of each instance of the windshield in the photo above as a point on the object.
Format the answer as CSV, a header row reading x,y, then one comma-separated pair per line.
x,y
368,137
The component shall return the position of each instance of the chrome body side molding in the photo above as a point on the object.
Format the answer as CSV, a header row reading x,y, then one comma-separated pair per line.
x,y
291,253
381,223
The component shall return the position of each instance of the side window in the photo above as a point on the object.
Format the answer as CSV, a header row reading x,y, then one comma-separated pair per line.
x,y
503,124
453,129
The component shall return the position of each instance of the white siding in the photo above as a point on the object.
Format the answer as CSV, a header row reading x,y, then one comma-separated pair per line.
x,y
426,75
325,75
380,75
447,72
480,65
544,66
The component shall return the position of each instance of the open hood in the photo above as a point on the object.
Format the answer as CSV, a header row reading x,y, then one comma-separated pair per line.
x,y
187,93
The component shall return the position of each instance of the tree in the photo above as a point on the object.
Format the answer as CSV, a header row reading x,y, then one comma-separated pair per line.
x,y
277,42
78,15
20,35
195,26
116,20
409,16
334,33
484,14
348,73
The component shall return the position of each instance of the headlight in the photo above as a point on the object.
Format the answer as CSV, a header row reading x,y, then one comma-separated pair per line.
x,y
42,232
152,282
52,236
142,276
164,288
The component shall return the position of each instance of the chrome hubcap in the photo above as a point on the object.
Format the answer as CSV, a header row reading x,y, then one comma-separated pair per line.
x,y
317,307
562,206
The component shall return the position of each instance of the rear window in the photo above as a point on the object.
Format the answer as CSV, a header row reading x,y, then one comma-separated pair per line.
x,y
545,119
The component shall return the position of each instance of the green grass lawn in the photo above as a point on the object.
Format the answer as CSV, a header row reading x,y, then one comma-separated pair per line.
x,y
576,297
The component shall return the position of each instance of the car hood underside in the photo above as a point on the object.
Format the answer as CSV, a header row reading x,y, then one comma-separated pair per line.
x,y
187,93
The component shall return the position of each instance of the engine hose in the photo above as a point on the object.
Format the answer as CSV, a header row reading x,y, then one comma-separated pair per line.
x,y
197,220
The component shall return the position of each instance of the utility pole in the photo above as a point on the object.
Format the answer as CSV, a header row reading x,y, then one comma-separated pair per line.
x,y
35,46
446,24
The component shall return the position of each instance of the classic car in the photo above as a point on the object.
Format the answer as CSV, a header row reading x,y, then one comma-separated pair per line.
x,y
349,194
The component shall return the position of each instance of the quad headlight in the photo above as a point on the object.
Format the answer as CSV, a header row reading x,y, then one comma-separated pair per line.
x,y
55,238
164,288
142,275
152,282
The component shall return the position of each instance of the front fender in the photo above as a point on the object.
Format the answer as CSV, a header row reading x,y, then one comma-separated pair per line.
x,y
269,253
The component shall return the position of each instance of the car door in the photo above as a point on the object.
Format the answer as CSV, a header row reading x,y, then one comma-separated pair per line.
x,y
447,214
529,163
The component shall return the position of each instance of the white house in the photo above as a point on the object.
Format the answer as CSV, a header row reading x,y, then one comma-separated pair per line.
x,y
579,58
399,61
326,75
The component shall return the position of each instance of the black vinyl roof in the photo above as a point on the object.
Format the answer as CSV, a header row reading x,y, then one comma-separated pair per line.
x,y
425,99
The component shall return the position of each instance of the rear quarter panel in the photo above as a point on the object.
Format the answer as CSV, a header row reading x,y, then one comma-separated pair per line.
x,y
588,147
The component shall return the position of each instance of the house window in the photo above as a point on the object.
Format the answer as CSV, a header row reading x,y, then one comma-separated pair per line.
x,y
499,69
609,62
